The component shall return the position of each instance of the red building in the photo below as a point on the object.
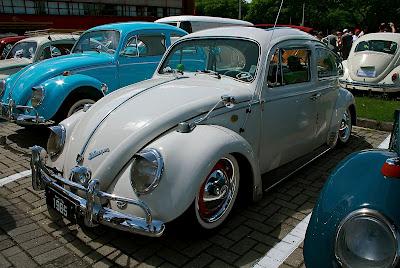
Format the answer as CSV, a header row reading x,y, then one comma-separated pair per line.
x,y
24,15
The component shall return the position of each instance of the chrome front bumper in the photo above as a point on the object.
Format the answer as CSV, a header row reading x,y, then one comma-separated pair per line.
x,y
90,208
384,88
8,111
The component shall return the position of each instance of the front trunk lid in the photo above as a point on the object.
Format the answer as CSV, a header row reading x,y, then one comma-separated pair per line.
x,y
123,122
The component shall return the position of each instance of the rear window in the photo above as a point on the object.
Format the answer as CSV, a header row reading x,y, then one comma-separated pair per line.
x,y
384,46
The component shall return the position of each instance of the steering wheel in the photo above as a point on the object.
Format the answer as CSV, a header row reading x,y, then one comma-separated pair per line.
x,y
241,75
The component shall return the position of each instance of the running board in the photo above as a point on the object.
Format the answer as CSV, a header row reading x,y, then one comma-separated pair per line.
x,y
278,175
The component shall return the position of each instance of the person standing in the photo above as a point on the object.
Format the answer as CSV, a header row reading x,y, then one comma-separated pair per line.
x,y
347,41
331,41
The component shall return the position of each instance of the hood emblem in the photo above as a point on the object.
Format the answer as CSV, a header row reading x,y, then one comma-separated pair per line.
x,y
97,153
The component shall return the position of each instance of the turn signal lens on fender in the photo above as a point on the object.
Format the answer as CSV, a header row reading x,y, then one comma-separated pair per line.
x,y
391,168
395,76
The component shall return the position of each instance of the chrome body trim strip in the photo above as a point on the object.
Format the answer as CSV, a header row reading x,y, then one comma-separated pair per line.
x,y
90,208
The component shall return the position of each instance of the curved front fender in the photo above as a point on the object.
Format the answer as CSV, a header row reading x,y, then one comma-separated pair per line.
x,y
356,183
188,159
58,88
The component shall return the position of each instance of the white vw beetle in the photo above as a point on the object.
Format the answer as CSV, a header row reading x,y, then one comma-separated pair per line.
x,y
224,106
373,64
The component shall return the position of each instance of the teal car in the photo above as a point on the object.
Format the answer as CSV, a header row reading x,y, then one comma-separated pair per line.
x,y
104,59
356,220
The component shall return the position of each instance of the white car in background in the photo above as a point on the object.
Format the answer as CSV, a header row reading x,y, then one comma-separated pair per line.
x,y
197,23
34,49
373,64
224,106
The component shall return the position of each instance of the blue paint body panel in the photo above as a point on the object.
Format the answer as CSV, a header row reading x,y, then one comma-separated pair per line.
x,y
88,69
357,182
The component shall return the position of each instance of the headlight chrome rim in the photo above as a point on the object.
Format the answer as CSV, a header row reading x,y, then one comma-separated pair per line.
x,y
59,133
160,168
372,214
36,99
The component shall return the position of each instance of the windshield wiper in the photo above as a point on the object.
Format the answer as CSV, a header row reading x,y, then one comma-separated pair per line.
x,y
218,76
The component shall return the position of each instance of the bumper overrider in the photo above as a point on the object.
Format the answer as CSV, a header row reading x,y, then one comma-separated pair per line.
x,y
8,111
90,208
384,88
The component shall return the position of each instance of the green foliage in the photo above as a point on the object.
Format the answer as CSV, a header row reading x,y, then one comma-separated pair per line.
x,y
320,14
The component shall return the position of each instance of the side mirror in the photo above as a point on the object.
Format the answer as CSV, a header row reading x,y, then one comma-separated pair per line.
x,y
391,168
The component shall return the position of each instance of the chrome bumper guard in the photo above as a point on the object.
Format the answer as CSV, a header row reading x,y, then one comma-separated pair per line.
x,y
8,112
386,88
90,209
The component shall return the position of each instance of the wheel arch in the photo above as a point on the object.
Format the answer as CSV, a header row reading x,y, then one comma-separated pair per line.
x,y
188,159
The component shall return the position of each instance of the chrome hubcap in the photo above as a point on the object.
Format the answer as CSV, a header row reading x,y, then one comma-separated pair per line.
x,y
345,127
217,191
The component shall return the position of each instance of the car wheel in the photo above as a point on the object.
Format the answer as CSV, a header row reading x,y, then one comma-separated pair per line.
x,y
217,194
345,127
78,105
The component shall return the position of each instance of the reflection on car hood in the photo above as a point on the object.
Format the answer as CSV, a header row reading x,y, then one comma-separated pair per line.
x,y
129,118
14,63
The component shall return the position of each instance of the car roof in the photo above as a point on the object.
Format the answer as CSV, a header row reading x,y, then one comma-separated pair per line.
x,y
262,36
11,38
381,36
42,39
131,26
204,19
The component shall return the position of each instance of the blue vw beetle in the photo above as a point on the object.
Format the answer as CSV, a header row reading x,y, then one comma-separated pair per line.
x,y
356,220
105,58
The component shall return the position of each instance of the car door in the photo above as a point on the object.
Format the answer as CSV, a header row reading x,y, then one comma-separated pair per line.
x,y
289,112
140,56
327,84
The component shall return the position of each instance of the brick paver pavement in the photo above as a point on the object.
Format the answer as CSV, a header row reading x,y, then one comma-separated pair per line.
x,y
29,237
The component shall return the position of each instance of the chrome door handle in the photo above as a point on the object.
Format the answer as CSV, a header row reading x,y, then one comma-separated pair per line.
x,y
315,96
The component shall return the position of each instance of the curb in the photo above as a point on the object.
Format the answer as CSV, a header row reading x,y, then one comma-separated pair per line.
x,y
378,125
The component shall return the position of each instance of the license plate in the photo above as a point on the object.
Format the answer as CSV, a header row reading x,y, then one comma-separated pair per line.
x,y
363,72
60,203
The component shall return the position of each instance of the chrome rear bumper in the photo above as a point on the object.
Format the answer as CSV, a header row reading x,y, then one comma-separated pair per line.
x,y
90,208
384,88
8,111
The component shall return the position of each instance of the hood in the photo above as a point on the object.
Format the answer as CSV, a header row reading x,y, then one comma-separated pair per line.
x,y
10,66
21,83
369,66
126,120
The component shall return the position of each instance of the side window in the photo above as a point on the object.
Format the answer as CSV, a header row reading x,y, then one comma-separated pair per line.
x,y
174,37
151,45
130,49
289,66
145,45
56,50
327,64
186,26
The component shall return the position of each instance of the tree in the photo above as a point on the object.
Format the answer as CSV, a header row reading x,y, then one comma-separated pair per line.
x,y
220,8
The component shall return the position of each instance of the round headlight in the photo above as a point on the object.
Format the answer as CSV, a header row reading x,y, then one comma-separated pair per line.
x,y
146,170
2,87
37,96
366,239
56,140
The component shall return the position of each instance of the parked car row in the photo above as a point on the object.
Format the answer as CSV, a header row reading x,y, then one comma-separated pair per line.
x,y
155,124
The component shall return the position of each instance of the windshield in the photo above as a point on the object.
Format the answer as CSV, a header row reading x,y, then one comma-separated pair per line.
x,y
235,58
100,41
388,47
23,50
